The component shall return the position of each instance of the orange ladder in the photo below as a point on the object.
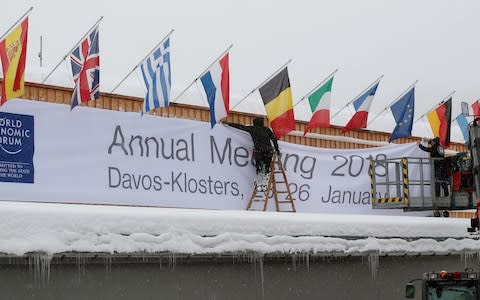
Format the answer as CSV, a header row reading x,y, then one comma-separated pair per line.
x,y
277,186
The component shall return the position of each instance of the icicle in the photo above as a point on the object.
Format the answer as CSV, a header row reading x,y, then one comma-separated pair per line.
x,y
467,257
262,282
108,265
172,260
373,262
257,259
80,265
307,261
40,265
294,262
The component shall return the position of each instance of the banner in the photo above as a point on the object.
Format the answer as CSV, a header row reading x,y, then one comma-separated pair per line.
x,y
97,156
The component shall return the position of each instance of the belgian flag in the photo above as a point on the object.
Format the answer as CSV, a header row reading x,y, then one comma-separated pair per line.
x,y
277,98
440,120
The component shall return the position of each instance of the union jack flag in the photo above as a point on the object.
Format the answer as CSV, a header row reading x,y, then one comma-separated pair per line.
x,y
85,61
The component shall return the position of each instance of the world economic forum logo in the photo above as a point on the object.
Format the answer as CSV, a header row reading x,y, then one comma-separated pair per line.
x,y
16,148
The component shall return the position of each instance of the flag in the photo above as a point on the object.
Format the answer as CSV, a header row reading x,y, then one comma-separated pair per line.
x,y
440,120
463,124
320,106
216,83
277,98
362,106
403,110
157,77
476,108
85,61
13,53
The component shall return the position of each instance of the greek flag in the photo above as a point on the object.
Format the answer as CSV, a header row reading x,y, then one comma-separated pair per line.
x,y
157,77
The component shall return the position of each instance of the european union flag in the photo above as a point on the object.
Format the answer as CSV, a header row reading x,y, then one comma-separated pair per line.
x,y
403,111
463,124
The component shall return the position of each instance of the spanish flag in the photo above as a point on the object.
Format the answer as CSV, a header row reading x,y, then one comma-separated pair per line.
x,y
13,52
440,120
277,98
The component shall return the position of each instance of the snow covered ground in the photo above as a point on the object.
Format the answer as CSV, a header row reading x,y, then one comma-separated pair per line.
x,y
57,228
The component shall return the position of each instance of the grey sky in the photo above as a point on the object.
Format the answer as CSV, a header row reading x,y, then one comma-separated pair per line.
x,y
434,41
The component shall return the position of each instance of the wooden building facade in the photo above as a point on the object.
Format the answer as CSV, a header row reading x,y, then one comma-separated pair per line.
x,y
323,138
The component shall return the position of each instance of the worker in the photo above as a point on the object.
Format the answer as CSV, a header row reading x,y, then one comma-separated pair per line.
x,y
264,145
436,151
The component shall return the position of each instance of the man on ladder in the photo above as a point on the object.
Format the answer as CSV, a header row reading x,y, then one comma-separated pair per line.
x,y
264,144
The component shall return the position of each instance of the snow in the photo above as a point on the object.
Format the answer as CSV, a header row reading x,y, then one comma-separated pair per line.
x,y
57,228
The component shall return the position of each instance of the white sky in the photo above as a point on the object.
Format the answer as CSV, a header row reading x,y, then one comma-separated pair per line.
x,y
433,41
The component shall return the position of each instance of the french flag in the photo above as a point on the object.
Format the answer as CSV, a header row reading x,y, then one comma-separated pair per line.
x,y
216,83
362,106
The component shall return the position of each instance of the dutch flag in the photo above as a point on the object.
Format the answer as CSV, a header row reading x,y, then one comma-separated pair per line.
x,y
216,83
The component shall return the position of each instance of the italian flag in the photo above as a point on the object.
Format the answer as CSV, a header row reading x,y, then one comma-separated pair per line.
x,y
320,104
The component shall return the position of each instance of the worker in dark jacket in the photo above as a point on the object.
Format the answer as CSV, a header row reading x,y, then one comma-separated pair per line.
x,y
264,144
436,151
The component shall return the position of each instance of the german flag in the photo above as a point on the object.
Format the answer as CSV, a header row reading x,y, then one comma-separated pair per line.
x,y
13,53
440,120
277,98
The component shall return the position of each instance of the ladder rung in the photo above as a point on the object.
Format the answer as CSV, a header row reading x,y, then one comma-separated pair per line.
x,y
273,183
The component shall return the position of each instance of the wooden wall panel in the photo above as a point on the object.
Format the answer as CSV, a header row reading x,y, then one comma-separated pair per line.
x,y
57,94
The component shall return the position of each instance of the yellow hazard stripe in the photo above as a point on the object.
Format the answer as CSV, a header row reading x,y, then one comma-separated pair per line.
x,y
370,172
388,200
406,186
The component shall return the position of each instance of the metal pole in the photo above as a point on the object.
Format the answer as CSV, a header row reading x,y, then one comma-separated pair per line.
x,y
141,61
391,103
438,104
317,86
261,84
73,48
40,53
204,71
346,105
18,21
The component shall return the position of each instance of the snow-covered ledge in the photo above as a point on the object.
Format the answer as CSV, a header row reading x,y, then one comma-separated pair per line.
x,y
60,228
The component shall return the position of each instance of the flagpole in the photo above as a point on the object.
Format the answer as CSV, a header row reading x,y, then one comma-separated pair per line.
x,y
317,86
18,21
203,73
73,48
141,61
439,103
391,103
346,105
271,76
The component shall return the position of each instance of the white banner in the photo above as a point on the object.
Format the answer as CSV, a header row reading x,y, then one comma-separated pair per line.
x,y
99,156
